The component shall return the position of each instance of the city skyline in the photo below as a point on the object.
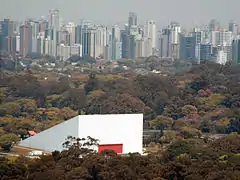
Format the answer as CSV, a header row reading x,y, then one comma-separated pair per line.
x,y
116,12
49,36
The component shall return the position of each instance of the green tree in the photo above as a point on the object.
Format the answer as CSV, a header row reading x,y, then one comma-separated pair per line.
x,y
11,108
168,137
190,132
92,83
189,110
161,122
7,140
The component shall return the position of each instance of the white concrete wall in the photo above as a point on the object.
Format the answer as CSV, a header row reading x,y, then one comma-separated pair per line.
x,y
126,129
52,138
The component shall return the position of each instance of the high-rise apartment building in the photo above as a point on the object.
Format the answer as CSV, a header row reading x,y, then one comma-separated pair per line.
x,y
89,42
66,51
25,39
214,25
204,52
101,40
175,30
18,43
80,29
71,28
54,26
43,25
132,19
40,43
125,39
107,53
220,38
116,43
198,36
187,48
147,47
35,32
7,29
228,50
221,57
93,39
11,45
151,32
236,50
233,28
165,49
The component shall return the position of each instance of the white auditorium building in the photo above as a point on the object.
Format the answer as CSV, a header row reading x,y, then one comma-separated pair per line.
x,y
119,132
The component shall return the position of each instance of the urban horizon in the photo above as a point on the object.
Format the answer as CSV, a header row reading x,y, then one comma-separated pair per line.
x,y
50,36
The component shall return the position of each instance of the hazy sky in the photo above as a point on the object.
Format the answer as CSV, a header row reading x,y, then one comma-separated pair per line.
x,y
186,12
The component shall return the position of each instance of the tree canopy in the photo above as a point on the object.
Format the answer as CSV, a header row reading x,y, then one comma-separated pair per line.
x,y
181,112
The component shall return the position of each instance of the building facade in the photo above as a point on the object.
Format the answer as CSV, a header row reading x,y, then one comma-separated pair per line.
x,y
151,32
25,39
236,51
187,48
114,131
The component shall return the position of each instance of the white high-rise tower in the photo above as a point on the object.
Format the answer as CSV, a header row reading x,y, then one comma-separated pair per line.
x,y
151,32
54,27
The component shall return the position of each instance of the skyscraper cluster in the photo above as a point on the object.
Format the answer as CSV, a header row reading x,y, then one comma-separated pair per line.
x,y
210,43
49,36
137,40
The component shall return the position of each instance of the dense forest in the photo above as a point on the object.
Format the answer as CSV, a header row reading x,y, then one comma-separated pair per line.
x,y
205,99
189,159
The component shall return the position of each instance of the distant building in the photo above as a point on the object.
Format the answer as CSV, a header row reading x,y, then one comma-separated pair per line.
x,y
25,39
18,43
220,38
71,28
165,47
140,48
175,30
187,48
222,57
206,52
132,19
89,42
107,53
6,30
236,51
65,51
116,43
147,47
11,45
151,32
198,36
43,25
76,49
214,25
7,27
233,28
101,40
125,39
54,27
40,44
228,50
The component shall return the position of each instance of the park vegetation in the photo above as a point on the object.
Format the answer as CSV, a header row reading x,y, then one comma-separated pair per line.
x,y
183,107
190,159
